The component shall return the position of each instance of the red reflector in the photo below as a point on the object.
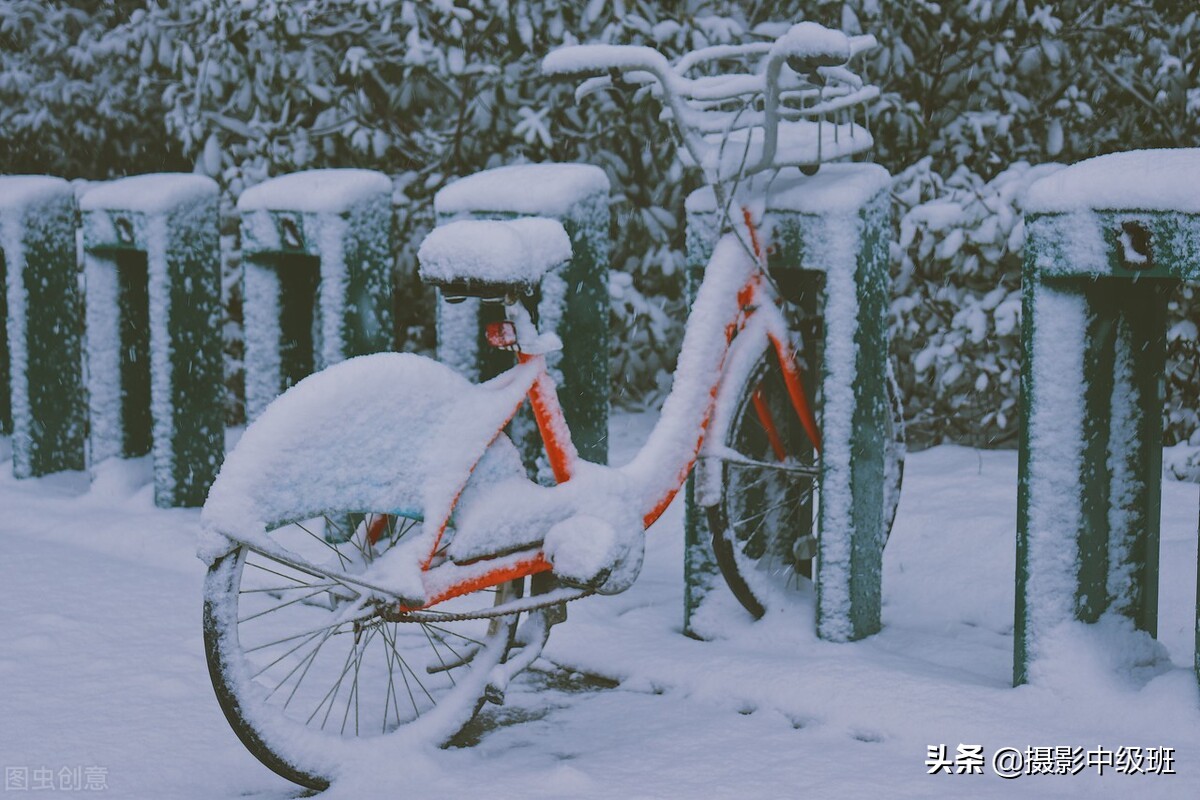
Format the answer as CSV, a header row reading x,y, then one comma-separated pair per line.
x,y
501,334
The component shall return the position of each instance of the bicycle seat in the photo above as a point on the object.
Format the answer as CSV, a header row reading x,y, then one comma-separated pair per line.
x,y
492,259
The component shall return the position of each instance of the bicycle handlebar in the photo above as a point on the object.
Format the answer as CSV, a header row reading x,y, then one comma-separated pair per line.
x,y
815,55
589,58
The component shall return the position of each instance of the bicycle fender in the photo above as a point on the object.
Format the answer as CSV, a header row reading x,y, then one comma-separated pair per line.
x,y
360,435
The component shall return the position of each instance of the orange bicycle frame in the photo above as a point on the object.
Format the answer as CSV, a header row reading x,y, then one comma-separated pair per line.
x,y
455,580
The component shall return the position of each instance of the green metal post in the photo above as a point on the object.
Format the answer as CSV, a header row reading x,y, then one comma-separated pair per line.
x,y
317,259
41,332
155,365
830,252
572,302
1095,289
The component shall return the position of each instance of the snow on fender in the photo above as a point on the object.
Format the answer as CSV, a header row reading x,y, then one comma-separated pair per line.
x,y
386,432
588,552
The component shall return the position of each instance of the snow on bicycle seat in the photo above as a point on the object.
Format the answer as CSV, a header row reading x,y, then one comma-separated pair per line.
x,y
492,258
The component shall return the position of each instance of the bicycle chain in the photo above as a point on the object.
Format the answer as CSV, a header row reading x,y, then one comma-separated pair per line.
x,y
425,616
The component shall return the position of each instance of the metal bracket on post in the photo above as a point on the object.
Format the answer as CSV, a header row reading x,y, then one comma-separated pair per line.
x,y
1096,282
831,234
316,249
155,364
41,333
572,301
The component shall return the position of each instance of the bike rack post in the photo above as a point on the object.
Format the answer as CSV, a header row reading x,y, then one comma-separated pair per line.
x,y
317,287
155,366
572,302
41,333
830,256
1101,259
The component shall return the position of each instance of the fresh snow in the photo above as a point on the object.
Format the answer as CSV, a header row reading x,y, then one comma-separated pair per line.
x,y
151,194
1142,180
835,189
316,191
18,192
494,251
103,665
539,189
581,58
1123,518
811,40
1056,423
800,142
300,455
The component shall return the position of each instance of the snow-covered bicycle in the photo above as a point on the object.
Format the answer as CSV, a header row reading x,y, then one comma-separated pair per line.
x,y
370,536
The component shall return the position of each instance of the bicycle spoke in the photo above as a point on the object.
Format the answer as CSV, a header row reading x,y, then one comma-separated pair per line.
x,y
438,653
331,626
280,574
285,655
290,588
405,665
453,633
354,684
335,689
458,658
299,676
307,660
348,539
420,683
400,660
341,558
312,657
411,523
391,687
276,608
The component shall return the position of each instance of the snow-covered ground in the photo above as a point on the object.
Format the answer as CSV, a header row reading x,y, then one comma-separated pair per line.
x,y
102,665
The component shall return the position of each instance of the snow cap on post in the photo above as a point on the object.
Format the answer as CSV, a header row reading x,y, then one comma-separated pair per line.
x,y
315,191
18,192
149,194
1146,180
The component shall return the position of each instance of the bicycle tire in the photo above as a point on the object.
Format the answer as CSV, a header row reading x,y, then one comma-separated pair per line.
x,y
265,683
764,564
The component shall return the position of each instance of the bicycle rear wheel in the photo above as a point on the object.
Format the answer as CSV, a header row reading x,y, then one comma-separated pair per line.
x,y
303,662
763,526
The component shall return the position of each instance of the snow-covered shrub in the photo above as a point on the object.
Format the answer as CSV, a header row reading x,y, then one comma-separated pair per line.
x,y
956,312
987,83
1182,423
79,90
432,91
429,91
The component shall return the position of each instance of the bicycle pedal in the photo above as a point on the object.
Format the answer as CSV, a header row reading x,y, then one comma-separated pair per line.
x,y
493,694
805,548
555,614
591,584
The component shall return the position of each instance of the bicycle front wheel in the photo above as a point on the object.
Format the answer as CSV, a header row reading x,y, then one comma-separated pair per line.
x,y
303,663
763,526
